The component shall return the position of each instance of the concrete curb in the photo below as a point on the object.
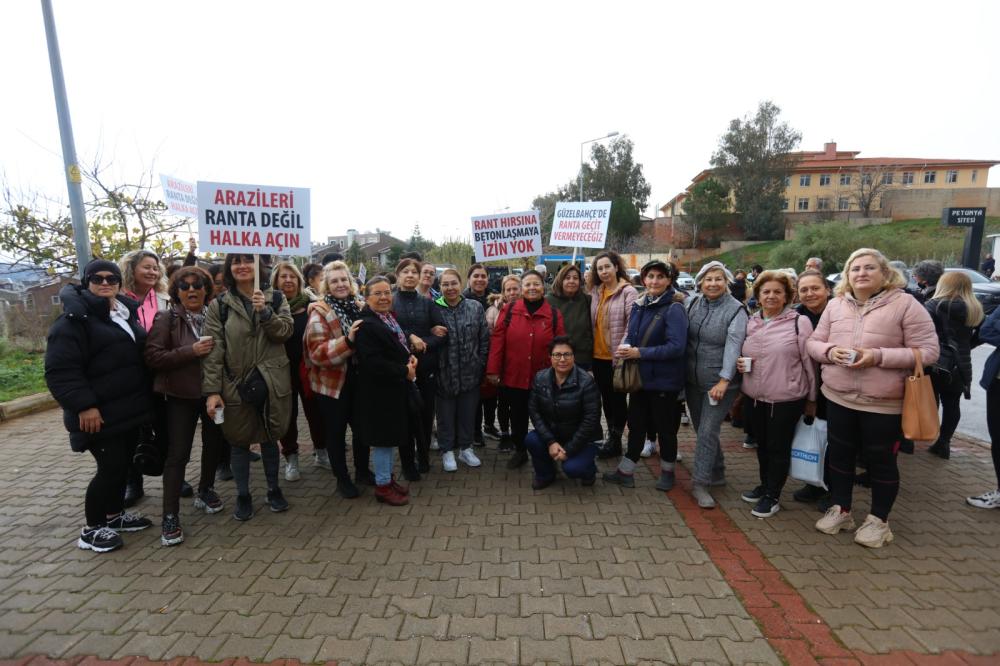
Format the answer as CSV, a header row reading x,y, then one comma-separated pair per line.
x,y
29,404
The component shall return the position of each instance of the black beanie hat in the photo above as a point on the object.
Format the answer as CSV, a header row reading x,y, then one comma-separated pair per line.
x,y
98,265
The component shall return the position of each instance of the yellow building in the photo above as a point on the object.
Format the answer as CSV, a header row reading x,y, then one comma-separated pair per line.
x,y
839,180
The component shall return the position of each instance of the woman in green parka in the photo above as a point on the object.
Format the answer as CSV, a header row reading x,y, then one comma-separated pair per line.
x,y
250,328
569,298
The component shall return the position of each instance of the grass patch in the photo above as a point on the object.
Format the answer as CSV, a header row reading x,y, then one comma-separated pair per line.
x,y
21,373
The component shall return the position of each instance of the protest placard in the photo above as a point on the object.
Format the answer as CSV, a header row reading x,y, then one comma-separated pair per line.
x,y
180,196
255,219
581,224
507,235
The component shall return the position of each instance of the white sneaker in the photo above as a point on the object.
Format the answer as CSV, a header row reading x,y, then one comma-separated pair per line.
x,y
990,500
434,444
678,458
685,420
648,449
321,458
469,458
873,533
292,467
834,520
448,461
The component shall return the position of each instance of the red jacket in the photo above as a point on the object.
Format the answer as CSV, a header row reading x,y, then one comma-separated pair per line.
x,y
521,349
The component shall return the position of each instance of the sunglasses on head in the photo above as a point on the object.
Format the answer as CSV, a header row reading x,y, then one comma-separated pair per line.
x,y
105,279
184,286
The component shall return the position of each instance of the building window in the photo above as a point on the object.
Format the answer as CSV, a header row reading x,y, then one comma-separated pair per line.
x,y
845,179
887,178
802,204
952,176
56,300
930,177
843,203
29,302
784,204
824,179
823,203
907,178
787,180
805,180
975,175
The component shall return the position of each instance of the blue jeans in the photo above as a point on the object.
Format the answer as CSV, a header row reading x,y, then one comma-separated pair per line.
x,y
382,458
580,466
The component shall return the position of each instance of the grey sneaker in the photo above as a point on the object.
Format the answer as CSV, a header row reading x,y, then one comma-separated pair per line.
x,y
873,533
667,480
702,496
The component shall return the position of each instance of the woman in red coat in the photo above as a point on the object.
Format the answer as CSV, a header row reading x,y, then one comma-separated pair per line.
x,y
519,348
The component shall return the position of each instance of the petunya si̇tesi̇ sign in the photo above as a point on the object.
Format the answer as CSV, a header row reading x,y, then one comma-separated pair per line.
x,y
254,219
507,235
581,224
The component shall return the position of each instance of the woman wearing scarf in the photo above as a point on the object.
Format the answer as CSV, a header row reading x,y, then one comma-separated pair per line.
x,y
329,347
385,370
290,281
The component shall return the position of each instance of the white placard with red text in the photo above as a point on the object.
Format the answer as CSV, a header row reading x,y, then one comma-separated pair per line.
x,y
581,224
253,219
507,235
180,196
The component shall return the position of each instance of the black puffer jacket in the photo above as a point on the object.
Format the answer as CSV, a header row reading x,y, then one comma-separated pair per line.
x,y
91,362
952,314
417,315
569,414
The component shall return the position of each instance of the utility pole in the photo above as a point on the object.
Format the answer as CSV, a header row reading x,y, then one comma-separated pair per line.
x,y
81,237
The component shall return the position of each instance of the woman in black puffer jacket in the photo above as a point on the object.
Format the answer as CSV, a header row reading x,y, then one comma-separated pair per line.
x,y
955,307
95,371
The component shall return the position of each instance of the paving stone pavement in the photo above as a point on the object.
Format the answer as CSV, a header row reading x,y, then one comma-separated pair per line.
x,y
480,569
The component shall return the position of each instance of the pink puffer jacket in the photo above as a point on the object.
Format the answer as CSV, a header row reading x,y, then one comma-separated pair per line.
x,y
619,312
782,369
892,323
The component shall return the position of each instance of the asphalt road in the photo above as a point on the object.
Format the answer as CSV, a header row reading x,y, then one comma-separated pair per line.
x,y
973,421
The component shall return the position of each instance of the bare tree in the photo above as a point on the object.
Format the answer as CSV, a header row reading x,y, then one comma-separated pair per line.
x,y
866,184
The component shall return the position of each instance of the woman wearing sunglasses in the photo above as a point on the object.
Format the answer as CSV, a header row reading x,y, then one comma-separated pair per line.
x,y
94,369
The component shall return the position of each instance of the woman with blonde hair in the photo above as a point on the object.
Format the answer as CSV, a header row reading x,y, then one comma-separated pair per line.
x,y
867,343
956,310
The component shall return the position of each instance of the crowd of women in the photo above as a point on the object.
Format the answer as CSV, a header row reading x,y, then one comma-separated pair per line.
x,y
135,358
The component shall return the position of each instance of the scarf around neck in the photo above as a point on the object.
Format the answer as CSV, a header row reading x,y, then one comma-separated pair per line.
x,y
347,309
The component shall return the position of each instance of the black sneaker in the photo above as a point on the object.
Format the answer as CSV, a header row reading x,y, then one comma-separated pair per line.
x,y
99,539
617,478
254,456
753,496
491,432
223,472
365,478
129,522
506,443
808,494
244,507
208,501
276,500
766,507
171,534
518,459
186,489
347,489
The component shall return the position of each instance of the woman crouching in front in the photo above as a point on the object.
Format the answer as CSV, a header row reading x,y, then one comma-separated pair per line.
x,y
385,371
866,342
780,378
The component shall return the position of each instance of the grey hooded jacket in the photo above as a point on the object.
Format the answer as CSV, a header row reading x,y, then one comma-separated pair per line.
x,y
716,330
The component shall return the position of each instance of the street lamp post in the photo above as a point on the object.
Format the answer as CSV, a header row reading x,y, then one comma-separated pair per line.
x,y
579,182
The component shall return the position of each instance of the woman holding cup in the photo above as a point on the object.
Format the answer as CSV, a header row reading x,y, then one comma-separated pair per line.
x,y
866,343
780,378
174,350
717,325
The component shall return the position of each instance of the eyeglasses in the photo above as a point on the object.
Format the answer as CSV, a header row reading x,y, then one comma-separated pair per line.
x,y
379,294
559,356
105,279
184,286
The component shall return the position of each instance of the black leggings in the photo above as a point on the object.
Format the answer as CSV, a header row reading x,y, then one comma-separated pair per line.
x,y
615,404
518,401
774,430
877,438
652,414
993,423
337,414
951,413
106,492
182,416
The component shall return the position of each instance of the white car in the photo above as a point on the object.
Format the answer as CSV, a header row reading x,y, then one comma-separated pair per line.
x,y
685,281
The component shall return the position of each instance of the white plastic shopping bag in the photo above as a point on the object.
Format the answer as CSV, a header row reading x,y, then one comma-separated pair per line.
x,y
809,452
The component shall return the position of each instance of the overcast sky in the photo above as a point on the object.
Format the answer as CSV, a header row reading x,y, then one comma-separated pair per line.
x,y
429,113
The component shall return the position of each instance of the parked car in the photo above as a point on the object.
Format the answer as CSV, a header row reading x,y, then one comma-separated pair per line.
x,y
985,290
685,281
632,274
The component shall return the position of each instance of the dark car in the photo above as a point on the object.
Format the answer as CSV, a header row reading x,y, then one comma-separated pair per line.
x,y
986,291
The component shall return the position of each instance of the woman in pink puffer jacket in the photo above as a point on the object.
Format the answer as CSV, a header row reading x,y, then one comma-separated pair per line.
x,y
865,344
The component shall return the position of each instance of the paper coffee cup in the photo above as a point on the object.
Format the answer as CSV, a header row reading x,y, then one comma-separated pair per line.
x,y
712,401
852,357
204,338
219,417
624,345
747,364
